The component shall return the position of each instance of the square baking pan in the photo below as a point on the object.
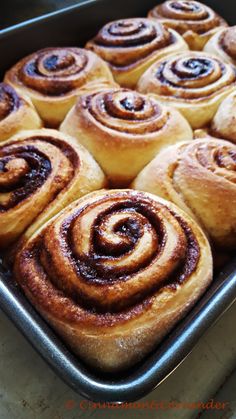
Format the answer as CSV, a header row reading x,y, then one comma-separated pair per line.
x,y
73,26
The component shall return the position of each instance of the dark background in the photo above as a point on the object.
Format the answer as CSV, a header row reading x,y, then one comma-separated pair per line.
x,y
15,11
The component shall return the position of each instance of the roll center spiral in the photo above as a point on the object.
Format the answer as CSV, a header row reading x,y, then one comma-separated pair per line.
x,y
185,11
23,169
54,71
226,159
117,237
195,67
126,111
194,74
63,63
122,245
119,233
12,170
124,28
186,6
131,33
58,62
9,100
128,106
134,103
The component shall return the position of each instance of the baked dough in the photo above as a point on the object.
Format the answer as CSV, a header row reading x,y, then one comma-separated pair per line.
x,y
195,21
114,272
130,46
199,177
124,130
41,171
17,113
193,82
53,77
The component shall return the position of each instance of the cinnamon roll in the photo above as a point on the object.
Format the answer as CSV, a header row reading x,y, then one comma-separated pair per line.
x,y
199,177
16,113
195,83
123,130
195,21
41,171
52,78
223,45
114,272
130,46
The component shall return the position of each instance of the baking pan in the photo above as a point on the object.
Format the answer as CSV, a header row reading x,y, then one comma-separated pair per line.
x,y
73,26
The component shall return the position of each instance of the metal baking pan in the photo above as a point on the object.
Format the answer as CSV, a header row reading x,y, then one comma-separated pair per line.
x,y
73,26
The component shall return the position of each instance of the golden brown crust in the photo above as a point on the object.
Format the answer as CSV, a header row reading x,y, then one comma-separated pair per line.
x,y
130,46
53,77
114,272
124,130
199,177
41,171
195,83
195,21
16,113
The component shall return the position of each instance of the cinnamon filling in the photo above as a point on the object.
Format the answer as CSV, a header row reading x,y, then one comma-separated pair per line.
x,y
134,39
185,6
92,269
9,100
37,169
125,111
192,68
53,71
24,169
187,15
193,77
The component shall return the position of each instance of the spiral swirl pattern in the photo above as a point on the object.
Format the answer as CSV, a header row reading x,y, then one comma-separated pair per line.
x,y
178,176
194,82
53,77
123,130
193,76
9,100
114,269
54,71
132,45
25,166
124,41
220,159
187,15
121,243
39,170
126,111
16,113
